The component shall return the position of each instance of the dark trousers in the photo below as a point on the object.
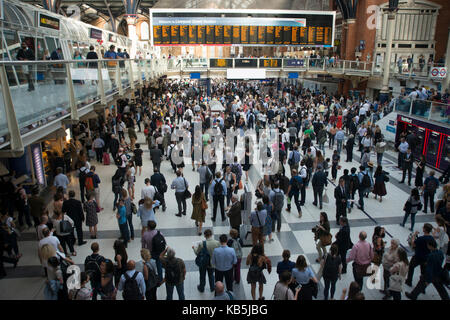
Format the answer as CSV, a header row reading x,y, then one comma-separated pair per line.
x,y
396,295
181,201
330,285
277,214
116,197
318,192
157,165
409,170
358,278
296,201
412,265
350,155
343,255
219,200
79,230
95,290
4,259
130,225
361,198
150,294
82,188
341,210
205,187
303,195
430,196
99,154
237,270
124,232
66,241
400,159
228,278
229,195
436,281
203,271
24,211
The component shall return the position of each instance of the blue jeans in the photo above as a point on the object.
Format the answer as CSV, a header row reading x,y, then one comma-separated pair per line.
x,y
180,291
413,219
379,158
130,224
203,271
339,145
158,267
322,147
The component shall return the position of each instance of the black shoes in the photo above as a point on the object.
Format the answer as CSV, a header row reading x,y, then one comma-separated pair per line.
x,y
201,290
410,296
81,243
178,215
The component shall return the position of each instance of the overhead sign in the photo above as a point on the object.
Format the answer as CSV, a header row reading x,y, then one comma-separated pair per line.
x,y
295,63
293,75
195,75
47,21
438,72
96,34
242,27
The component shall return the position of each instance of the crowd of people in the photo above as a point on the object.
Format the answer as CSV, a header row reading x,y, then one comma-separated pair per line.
x,y
313,132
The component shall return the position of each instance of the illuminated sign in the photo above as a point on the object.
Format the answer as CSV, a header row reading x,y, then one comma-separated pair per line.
x,y
48,21
37,162
96,34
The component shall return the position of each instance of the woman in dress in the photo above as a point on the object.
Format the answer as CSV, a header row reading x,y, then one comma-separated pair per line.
x,y
138,157
257,262
199,207
418,182
379,188
146,212
90,207
247,165
378,244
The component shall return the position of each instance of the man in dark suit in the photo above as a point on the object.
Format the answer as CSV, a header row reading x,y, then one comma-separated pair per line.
x,y
349,147
340,194
113,146
156,157
343,241
234,213
158,180
407,165
319,181
74,210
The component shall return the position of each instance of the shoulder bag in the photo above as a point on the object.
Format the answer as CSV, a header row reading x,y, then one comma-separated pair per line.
x,y
187,193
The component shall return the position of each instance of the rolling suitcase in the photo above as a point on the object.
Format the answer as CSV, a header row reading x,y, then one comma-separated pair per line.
x,y
106,159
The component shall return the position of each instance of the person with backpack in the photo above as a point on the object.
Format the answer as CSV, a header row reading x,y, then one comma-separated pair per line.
x,y
63,230
295,185
430,185
353,187
92,265
55,282
218,193
294,158
204,252
180,185
121,216
205,178
130,208
155,242
319,182
132,283
93,185
309,163
82,173
73,208
117,183
175,273
236,168
83,293
158,181
332,268
150,273
365,184
276,198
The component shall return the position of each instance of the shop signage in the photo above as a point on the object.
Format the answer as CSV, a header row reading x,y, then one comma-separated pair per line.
x,y
96,34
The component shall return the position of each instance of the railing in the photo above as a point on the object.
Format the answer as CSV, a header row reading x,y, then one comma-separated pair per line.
x,y
43,91
286,64
430,110
413,69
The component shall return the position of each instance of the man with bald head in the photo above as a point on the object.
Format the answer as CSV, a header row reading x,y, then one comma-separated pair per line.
x,y
361,255
221,294
132,283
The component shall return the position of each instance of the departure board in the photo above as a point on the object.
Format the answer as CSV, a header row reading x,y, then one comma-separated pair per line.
x,y
242,27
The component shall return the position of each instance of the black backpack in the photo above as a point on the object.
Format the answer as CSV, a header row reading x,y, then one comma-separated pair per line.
x,y
158,244
354,183
218,188
203,258
309,162
173,272
92,267
431,186
118,160
131,288
65,226
152,278
366,181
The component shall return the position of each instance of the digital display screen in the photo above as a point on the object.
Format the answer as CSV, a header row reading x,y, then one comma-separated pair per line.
x,y
227,27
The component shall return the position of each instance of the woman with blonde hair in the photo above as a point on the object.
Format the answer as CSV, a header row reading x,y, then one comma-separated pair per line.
x,y
150,273
146,212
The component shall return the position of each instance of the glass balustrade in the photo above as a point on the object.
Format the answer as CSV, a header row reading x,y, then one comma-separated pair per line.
x,y
109,76
85,82
403,104
3,123
440,112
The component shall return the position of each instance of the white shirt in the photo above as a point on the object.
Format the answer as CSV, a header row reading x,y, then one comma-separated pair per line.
x,y
51,240
148,191
285,137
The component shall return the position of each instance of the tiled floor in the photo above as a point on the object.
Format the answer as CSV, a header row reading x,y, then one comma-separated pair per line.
x,y
27,281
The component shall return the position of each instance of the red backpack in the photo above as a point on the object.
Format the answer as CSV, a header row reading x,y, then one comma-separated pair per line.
x,y
89,183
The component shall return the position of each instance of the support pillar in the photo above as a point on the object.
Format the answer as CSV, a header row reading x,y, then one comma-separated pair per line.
x,y
384,92
446,82
350,40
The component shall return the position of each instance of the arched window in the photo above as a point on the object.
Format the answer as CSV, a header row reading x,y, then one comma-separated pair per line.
x,y
144,31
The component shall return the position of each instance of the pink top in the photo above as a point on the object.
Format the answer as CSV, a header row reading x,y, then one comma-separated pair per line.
x,y
361,253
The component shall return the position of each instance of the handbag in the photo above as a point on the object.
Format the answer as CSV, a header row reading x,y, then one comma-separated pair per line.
x,y
326,239
187,193
204,204
325,198
241,185
396,282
